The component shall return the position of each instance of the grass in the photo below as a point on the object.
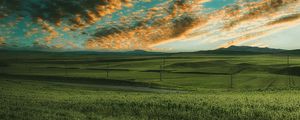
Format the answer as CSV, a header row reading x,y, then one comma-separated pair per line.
x,y
194,86
40,100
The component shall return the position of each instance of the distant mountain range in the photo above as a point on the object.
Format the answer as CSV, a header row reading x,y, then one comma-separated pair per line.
x,y
134,52
251,49
231,50
234,50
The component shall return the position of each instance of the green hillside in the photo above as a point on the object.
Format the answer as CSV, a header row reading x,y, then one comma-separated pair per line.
x,y
69,85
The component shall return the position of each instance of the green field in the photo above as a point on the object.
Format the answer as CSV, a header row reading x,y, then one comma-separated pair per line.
x,y
164,86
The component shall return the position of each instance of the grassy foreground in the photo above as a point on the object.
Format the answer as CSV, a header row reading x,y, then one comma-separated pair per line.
x,y
193,86
40,100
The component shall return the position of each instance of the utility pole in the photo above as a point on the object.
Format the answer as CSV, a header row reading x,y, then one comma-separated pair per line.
x,y
231,78
289,71
107,71
162,67
164,61
66,69
160,72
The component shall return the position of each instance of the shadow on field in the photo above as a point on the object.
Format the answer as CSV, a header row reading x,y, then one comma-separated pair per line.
x,y
80,80
68,61
97,69
199,64
288,70
204,73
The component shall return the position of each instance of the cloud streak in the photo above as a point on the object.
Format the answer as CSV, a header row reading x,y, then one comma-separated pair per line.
x,y
233,22
124,25
246,21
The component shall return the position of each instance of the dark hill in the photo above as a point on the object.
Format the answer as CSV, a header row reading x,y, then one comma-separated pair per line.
x,y
241,50
251,49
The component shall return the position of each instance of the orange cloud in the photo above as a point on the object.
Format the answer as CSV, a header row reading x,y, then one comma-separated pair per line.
x,y
254,10
242,39
181,29
246,21
170,24
92,16
31,32
73,45
48,28
285,19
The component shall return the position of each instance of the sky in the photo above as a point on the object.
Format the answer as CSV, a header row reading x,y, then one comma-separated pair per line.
x,y
153,25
